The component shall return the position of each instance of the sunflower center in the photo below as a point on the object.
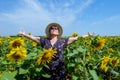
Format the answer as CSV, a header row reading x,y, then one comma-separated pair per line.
x,y
16,44
113,61
16,56
98,45
45,57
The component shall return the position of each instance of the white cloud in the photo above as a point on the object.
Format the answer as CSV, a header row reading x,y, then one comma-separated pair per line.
x,y
34,14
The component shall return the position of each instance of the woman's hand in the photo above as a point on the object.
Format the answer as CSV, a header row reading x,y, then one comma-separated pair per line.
x,y
21,32
72,39
89,34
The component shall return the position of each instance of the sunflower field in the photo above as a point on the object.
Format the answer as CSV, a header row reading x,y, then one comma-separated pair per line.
x,y
92,58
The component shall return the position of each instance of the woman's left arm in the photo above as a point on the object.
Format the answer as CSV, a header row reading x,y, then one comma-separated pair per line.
x,y
72,39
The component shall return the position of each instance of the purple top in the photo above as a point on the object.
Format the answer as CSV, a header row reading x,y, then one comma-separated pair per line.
x,y
56,66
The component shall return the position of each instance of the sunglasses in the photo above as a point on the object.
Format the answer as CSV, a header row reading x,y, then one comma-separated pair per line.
x,y
55,28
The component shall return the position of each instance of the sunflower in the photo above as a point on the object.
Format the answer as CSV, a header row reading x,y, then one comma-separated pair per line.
x,y
75,34
1,41
97,44
18,42
46,56
17,54
104,63
9,38
0,74
88,55
114,62
104,68
34,44
111,50
30,33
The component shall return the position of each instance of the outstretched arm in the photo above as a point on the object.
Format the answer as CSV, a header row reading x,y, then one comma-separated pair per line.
x,y
36,39
72,39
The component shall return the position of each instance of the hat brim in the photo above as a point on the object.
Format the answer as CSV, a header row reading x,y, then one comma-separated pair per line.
x,y
56,25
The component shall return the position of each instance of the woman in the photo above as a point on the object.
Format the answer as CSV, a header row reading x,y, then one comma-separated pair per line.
x,y
53,32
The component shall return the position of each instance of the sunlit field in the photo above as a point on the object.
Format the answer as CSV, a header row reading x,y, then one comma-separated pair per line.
x,y
92,58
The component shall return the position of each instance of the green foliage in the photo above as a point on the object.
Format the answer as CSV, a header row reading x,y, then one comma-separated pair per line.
x,y
81,62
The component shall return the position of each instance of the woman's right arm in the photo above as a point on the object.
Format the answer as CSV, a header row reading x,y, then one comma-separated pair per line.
x,y
36,39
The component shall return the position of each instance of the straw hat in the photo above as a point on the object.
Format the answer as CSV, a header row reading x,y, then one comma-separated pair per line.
x,y
56,25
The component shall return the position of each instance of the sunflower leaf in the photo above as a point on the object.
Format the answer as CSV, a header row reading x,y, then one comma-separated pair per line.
x,y
46,75
22,71
94,74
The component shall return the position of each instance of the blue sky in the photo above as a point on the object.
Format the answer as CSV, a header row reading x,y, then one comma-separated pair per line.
x,y
99,16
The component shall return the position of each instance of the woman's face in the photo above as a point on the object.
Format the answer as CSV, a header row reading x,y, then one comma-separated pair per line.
x,y
54,30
